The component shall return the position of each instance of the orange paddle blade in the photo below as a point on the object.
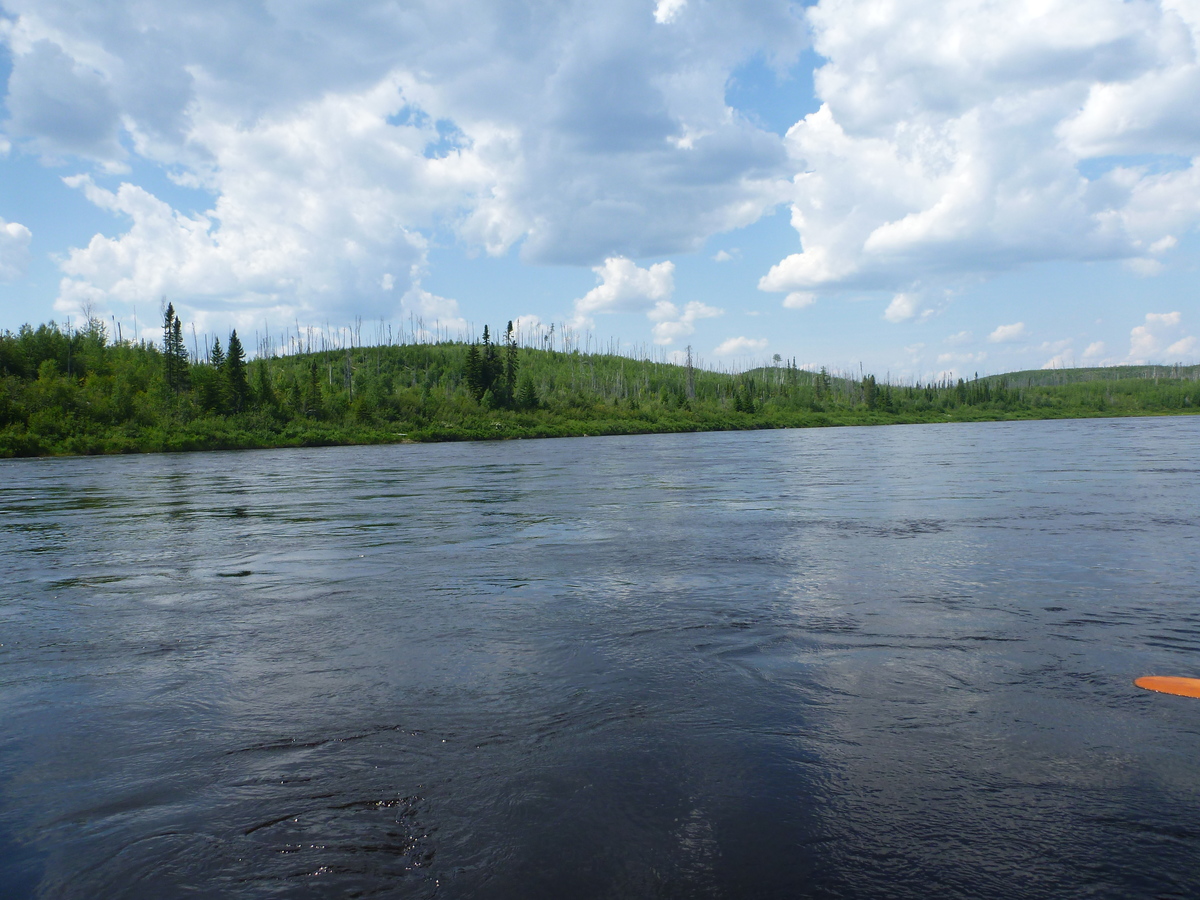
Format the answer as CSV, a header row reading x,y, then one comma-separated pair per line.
x,y
1170,684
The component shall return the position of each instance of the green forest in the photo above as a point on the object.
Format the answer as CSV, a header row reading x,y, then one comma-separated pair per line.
x,y
77,391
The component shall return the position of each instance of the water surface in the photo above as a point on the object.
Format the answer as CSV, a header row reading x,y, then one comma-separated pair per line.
x,y
871,662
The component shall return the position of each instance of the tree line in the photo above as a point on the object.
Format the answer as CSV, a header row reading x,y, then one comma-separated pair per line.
x,y
74,390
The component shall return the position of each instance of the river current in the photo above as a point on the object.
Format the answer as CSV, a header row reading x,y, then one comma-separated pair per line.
x,y
831,663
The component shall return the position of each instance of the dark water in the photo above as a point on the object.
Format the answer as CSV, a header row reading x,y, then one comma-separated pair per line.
x,y
887,662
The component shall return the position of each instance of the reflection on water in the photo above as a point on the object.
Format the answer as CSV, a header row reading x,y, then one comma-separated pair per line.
x,y
837,663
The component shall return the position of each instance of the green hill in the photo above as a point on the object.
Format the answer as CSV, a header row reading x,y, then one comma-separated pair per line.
x,y
75,391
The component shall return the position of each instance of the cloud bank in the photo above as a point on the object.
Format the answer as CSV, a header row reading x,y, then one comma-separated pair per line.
x,y
335,142
331,147
964,138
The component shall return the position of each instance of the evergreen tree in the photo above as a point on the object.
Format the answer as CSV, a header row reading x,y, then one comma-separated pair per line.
x,y
491,365
870,391
217,356
182,363
264,391
527,397
235,374
474,372
175,358
511,363
312,391
487,373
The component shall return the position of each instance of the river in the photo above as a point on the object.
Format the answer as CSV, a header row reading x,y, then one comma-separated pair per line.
x,y
829,663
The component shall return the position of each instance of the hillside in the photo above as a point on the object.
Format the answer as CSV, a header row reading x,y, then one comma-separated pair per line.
x,y
77,392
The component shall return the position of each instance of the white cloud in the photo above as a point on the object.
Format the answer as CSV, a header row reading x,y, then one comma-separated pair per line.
x,y
14,250
625,287
583,133
1007,333
1184,347
315,214
1159,340
671,323
951,137
722,256
902,308
740,346
1094,352
667,10
799,299
1164,320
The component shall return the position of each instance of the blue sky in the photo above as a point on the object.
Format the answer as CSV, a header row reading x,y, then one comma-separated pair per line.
x,y
922,189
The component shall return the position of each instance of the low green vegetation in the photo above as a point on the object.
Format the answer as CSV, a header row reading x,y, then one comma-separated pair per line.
x,y
74,391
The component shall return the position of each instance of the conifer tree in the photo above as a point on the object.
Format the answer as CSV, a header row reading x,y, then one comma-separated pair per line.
x,y
511,363
235,374
474,372
527,397
264,391
175,358
312,391
491,366
181,355
217,355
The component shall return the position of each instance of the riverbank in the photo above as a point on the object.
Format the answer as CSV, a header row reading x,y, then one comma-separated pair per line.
x,y
75,393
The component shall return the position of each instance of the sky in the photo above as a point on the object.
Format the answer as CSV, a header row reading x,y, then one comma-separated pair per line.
x,y
922,190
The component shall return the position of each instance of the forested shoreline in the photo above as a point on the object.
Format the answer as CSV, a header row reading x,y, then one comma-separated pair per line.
x,y
76,391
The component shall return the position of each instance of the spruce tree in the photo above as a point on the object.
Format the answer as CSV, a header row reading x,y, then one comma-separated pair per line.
x,y
491,365
264,391
182,364
474,372
235,374
511,362
175,359
312,391
527,397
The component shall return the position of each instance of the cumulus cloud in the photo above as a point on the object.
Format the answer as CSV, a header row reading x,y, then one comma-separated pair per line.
x,y
672,323
582,133
666,11
1160,339
1007,333
318,211
799,299
14,250
902,308
288,233
740,346
951,139
626,287
435,316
